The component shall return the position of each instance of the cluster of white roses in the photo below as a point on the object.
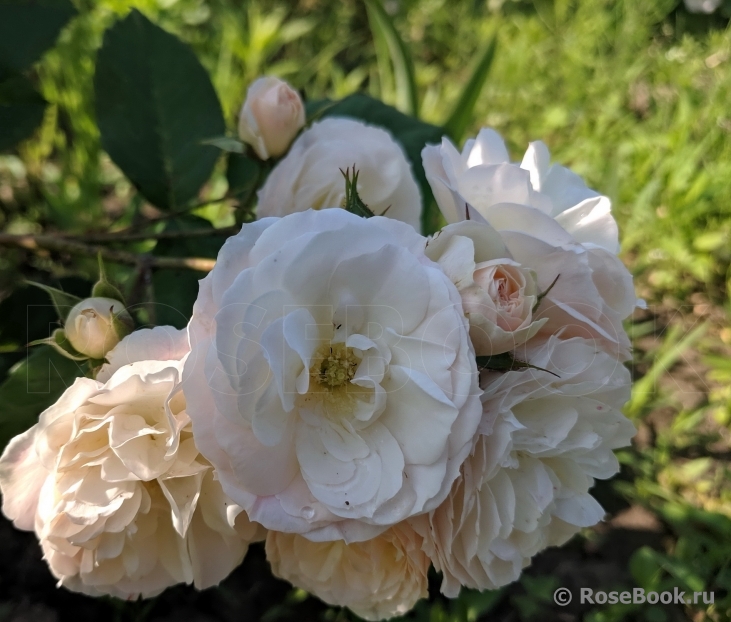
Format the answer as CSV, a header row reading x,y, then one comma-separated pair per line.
x,y
367,400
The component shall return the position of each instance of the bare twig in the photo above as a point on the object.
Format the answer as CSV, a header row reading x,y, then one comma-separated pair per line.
x,y
37,243
126,236
151,220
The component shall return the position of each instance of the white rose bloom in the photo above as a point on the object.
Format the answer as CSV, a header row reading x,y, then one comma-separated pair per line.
x,y
331,380
113,485
483,176
551,223
498,294
543,441
271,116
379,578
309,176
91,329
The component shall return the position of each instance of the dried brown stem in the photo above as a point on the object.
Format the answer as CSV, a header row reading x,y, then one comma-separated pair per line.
x,y
37,243
125,236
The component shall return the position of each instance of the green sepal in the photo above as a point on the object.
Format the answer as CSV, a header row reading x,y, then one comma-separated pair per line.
x,y
94,366
103,288
353,203
62,302
542,295
226,143
122,324
58,342
505,362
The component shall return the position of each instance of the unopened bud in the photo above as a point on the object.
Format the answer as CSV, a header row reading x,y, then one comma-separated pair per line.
x,y
95,325
271,116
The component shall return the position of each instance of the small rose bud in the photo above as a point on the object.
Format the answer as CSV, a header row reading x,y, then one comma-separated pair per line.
x,y
96,325
271,116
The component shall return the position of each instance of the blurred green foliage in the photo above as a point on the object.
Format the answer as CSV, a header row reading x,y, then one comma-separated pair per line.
x,y
633,95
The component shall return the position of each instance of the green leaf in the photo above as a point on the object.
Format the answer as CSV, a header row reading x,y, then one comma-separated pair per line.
x,y
226,143
33,385
155,106
461,115
403,66
245,175
645,567
62,301
675,344
28,28
685,572
21,109
411,133
316,109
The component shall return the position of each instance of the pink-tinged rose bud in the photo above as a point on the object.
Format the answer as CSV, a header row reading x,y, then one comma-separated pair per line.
x,y
96,325
498,294
271,116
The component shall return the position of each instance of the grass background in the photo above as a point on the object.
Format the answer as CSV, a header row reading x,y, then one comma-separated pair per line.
x,y
635,95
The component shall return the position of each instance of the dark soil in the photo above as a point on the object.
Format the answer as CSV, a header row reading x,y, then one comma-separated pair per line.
x,y
28,592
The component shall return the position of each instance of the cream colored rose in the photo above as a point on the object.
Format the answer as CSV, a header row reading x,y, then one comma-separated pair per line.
x,y
95,325
376,579
271,116
543,441
112,483
498,294
309,176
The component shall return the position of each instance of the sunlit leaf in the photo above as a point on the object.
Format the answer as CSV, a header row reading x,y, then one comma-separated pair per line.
x,y
403,66
155,106
461,115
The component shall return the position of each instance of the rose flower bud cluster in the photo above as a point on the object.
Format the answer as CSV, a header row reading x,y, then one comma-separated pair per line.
x,y
112,483
95,325
271,116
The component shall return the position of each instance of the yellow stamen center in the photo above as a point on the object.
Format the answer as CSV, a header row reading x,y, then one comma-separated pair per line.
x,y
334,365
